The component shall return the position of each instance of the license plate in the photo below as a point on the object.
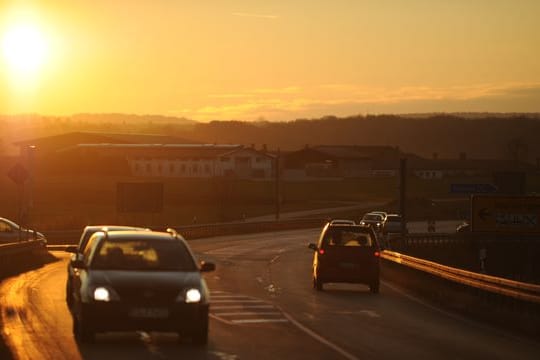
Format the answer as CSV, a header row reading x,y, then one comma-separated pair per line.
x,y
149,313
347,265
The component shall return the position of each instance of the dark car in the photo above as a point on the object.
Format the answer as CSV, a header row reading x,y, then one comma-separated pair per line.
x,y
346,253
78,250
12,232
139,280
374,220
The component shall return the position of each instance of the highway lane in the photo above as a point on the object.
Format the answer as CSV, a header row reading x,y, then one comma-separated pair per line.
x,y
263,306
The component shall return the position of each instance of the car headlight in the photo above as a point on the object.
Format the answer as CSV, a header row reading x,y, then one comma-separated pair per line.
x,y
362,223
104,294
193,296
190,296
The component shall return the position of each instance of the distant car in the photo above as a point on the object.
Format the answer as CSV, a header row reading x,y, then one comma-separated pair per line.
x,y
346,254
383,213
78,250
12,232
342,222
139,280
392,225
374,220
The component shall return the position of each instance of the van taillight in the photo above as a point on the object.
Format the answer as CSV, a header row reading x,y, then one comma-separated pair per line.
x,y
321,251
376,254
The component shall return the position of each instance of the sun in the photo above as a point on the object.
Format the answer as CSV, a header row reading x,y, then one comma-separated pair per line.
x,y
24,49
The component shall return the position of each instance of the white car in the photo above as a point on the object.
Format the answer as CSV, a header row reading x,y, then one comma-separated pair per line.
x,y
11,232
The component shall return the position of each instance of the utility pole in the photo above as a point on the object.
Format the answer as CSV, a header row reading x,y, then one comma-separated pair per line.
x,y
277,187
402,195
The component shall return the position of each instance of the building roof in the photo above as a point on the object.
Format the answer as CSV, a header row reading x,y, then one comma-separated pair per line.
x,y
62,141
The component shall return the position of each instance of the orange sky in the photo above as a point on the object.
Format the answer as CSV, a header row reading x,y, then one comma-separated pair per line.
x,y
278,60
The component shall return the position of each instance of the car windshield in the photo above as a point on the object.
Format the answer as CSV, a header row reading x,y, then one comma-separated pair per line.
x,y
142,255
372,217
347,237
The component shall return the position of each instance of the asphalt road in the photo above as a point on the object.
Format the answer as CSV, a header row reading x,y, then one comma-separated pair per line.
x,y
263,307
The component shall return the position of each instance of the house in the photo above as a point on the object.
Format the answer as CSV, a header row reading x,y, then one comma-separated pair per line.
x,y
144,155
340,161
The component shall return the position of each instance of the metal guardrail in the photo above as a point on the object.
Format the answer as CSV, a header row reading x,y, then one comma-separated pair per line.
x,y
71,237
515,289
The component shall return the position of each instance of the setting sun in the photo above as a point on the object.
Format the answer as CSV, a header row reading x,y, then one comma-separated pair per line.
x,y
24,49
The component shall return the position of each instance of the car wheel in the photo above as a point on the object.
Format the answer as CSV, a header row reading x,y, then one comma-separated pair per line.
x,y
318,284
69,301
200,336
374,288
82,332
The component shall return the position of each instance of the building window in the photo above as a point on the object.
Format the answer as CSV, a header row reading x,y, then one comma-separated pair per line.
x,y
183,168
195,168
148,168
171,168
225,159
207,168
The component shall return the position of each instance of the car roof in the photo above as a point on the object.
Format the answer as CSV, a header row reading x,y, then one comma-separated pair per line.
x,y
142,235
112,228
342,221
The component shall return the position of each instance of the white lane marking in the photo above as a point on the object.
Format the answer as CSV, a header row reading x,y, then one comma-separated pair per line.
x,y
319,338
369,313
247,313
255,321
274,259
241,307
224,356
218,292
224,297
237,301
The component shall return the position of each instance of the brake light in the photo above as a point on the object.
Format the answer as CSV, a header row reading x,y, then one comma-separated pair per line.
x,y
376,254
321,251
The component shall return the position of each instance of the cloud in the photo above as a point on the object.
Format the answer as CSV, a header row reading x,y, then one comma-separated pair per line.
x,y
293,102
260,16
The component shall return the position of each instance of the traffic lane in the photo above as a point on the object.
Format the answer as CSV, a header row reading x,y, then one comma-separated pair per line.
x,y
37,325
389,324
370,326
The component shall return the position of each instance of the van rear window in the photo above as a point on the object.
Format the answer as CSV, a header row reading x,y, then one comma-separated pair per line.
x,y
347,238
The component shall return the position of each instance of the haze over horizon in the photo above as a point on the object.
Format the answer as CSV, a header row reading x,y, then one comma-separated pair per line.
x,y
249,60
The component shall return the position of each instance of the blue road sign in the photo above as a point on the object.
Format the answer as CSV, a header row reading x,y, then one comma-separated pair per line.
x,y
472,188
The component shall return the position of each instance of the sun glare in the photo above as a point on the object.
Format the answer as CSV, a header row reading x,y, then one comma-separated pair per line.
x,y
24,48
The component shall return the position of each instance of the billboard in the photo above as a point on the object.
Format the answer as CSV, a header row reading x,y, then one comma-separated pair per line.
x,y
505,214
139,197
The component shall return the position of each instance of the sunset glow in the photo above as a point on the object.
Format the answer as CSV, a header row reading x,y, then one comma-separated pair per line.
x,y
273,60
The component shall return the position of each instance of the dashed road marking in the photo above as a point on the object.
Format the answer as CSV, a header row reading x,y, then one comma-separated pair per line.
x,y
241,309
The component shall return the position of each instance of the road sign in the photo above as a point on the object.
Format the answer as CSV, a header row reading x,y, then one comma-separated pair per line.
x,y
18,174
506,214
472,188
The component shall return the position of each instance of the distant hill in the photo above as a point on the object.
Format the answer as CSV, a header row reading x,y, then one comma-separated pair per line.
x,y
478,135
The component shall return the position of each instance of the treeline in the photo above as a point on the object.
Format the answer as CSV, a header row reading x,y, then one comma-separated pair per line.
x,y
510,136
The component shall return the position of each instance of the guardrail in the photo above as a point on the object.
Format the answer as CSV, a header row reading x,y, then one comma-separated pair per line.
x,y
510,288
71,237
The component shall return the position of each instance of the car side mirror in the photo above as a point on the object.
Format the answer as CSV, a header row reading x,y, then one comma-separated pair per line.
x,y
78,264
71,249
312,246
207,266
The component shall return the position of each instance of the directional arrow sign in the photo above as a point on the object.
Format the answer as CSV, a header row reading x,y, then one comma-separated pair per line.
x,y
472,188
18,174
